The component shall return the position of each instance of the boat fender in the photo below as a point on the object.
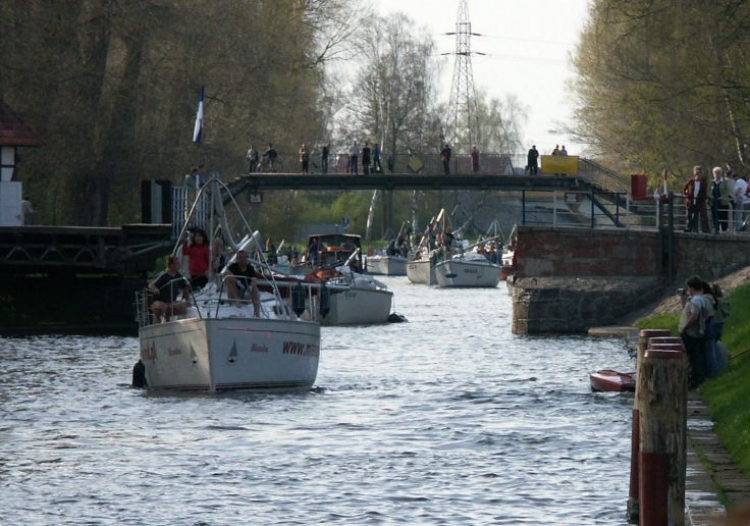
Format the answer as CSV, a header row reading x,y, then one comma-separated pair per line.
x,y
139,375
397,318
325,300
298,299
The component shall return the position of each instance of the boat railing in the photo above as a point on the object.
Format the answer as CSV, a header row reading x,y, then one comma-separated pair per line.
x,y
143,298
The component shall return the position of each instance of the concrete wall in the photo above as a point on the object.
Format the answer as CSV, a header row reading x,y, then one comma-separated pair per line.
x,y
571,279
575,252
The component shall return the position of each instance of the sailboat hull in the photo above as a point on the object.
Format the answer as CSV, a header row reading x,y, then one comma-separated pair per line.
x,y
359,307
460,273
387,265
421,271
222,354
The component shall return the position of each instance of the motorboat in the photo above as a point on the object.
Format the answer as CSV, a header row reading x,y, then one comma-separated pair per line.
x,y
467,270
220,345
354,297
385,265
609,380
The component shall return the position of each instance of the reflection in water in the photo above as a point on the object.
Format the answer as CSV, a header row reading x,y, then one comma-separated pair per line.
x,y
447,419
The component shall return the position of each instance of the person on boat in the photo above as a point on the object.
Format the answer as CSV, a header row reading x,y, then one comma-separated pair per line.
x,y
312,252
271,255
218,257
199,258
448,241
391,250
165,288
237,288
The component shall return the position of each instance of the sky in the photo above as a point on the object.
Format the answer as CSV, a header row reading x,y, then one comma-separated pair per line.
x,y
528,43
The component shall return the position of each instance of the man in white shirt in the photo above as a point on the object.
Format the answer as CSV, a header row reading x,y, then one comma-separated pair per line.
x,y
740,191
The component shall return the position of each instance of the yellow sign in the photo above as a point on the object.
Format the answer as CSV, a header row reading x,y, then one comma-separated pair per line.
x,y
559,164
415,164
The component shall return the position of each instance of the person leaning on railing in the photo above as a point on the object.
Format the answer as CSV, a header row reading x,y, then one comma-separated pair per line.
x,y
165,288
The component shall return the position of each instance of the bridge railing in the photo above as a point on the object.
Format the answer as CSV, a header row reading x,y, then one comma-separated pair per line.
x,y
601,177
409,163
585,209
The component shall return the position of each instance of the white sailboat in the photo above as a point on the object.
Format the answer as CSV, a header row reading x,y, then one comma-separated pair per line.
x,y
467,270
217,346
357,299
384,265
470,268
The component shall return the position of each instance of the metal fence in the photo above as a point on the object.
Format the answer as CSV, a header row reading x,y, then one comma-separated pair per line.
x,y
183,199
594,209
415,163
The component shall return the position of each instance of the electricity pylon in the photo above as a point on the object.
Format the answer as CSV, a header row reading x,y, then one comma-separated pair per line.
x,y
463,99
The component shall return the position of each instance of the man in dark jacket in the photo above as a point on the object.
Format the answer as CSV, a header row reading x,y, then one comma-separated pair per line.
x,y
695,192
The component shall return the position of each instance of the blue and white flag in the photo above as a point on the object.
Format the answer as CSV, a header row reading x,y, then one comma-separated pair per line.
x,y
198,130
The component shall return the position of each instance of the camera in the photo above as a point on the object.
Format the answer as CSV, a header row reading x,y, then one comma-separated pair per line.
x,y
681,291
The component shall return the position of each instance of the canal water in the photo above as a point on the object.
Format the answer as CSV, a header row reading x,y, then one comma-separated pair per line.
x,y
447,419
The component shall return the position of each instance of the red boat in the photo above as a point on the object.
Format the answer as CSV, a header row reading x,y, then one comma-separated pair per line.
x,y
608,380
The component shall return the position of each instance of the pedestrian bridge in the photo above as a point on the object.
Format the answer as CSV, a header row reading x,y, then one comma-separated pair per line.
x,y
412,172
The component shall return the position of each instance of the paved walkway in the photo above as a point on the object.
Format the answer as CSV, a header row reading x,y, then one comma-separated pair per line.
x,y
701,499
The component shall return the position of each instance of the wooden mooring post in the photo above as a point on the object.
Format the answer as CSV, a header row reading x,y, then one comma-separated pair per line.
x,y
661,403
643,338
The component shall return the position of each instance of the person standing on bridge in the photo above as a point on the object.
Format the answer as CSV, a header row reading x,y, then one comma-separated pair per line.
x,y
474,159
269,157
532,159
252,158
739,194
695,191
304,159
354,159
366,157
445,158
377,155
720,195
324,153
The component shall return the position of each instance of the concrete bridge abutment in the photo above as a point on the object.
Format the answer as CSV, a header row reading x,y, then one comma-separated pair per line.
x,y
570,279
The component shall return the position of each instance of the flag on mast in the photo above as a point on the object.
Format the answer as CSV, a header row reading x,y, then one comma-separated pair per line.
x,y
198,130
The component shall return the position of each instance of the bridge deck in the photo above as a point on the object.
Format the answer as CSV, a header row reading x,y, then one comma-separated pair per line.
x,y
289,181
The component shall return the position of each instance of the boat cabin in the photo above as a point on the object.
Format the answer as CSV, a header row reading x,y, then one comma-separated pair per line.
x,y
336,248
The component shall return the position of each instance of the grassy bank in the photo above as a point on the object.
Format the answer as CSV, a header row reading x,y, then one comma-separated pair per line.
x,y
728,395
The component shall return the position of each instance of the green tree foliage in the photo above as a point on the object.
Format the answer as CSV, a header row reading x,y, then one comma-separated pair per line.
x,y
665,84
112,88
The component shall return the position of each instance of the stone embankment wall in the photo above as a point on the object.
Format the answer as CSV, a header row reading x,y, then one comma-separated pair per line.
x,y
569,279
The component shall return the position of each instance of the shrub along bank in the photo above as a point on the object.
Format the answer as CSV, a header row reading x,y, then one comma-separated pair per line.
x,y
728,395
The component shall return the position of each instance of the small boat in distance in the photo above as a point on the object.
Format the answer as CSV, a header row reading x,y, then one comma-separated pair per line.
x,y
467,270
609,380
392,262
385,265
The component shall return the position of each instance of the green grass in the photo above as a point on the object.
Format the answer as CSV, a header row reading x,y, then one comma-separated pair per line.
x,y
728,395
